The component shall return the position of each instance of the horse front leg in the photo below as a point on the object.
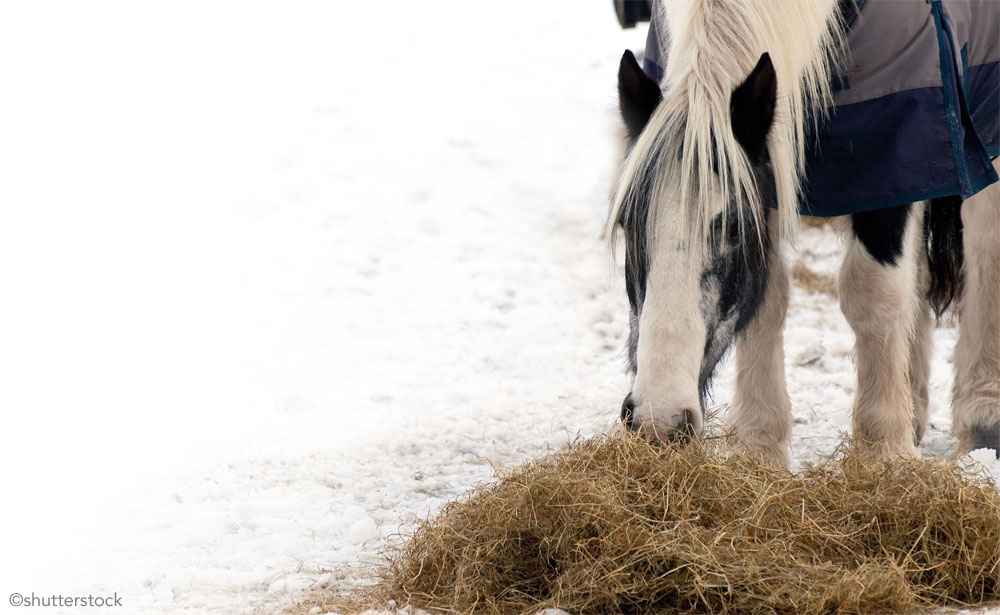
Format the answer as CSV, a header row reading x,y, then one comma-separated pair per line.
x,y
976,394
921,349
878,296
761,413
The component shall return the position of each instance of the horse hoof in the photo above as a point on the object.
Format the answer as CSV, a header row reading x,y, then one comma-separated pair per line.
x,y
985,437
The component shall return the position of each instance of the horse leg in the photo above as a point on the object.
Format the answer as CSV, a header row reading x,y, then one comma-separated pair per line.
x,y
761,411
976,394
921,348
878,296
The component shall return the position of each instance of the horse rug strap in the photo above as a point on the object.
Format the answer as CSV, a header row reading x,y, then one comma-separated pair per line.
x,y
916,105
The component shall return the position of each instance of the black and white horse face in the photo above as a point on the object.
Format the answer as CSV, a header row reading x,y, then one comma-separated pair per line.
x,y
691,297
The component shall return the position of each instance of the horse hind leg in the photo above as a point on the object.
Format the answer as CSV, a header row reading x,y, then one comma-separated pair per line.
x,y
761,411
879,298
976,393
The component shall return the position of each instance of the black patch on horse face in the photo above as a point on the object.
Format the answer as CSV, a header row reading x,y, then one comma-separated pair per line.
x,y
735,277
751,108
881,232
733,285
638,94
633,223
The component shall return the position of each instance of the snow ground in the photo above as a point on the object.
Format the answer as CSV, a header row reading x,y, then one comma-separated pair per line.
x,y
279,279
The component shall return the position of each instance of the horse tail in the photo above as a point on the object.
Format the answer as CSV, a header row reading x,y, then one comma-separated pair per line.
x,y
945,252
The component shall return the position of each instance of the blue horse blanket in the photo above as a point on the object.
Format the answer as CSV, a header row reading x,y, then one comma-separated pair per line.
x,y
916,108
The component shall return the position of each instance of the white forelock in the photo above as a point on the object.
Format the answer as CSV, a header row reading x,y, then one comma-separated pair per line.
x,y
688,147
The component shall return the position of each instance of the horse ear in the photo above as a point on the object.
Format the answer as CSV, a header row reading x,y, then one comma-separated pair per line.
x,y
638,94
752,107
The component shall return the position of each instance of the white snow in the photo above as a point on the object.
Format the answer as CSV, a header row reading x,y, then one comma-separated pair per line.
x,y
279,279
986,461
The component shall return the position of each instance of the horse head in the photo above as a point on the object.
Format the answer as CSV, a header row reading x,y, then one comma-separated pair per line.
x,y
691,289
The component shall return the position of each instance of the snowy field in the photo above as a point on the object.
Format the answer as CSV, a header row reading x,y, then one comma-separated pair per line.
x,y
278,278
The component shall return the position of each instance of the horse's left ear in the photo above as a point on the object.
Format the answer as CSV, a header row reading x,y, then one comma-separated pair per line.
x,y
638,94
752,107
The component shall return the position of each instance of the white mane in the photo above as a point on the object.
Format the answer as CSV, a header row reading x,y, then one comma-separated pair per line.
x,y
688,147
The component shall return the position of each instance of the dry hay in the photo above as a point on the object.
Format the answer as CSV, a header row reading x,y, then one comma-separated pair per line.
x,y
614,525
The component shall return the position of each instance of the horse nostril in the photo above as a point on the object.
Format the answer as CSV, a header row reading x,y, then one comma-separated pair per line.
x,y
683,424
628,412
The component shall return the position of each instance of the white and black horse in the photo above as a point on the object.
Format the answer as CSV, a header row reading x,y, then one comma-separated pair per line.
x,y
713,144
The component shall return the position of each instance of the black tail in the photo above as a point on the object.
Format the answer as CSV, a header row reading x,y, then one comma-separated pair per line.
x,y
945,253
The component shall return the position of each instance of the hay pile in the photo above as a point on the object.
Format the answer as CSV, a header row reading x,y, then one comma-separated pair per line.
x,y
613,525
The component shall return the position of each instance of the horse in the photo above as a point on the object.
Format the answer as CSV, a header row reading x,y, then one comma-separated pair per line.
x,y
718,169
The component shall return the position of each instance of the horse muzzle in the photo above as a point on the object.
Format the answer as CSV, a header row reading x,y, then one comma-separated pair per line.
x,y
663,423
